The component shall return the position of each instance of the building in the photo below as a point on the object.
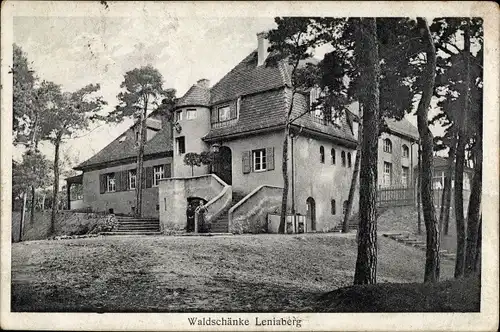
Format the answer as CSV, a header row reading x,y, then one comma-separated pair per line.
x,y
109,177
241,121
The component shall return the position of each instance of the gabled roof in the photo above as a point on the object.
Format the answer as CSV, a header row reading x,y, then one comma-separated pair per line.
x,y
195,96
248,78
124,147
403,127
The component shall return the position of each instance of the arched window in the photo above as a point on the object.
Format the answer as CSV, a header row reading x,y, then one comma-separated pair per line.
x,y
333,207
322,154
332,152
342,156
387,145
349,161
406,151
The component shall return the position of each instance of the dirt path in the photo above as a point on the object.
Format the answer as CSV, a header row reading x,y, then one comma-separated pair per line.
x,y
161,274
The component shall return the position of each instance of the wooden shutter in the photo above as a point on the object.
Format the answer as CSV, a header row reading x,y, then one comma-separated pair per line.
x,y
214,115
232,110
167,171
270,158
246,162
102,183
127,179
124,180
149,177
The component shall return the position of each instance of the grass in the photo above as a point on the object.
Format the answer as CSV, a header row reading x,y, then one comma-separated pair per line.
x,y
248,273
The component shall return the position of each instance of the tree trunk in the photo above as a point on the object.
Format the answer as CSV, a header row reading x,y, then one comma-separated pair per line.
x,y
444,215
459,166
366,262
284,170
354,180
23,217
431,225
32,207
473,214
55,188
477,266
140,162
419,190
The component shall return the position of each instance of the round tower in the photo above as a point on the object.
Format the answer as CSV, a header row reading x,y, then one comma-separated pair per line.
x,y
191,123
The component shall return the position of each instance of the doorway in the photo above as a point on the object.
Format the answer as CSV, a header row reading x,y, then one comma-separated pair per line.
x,y
192,204
222,165
311,213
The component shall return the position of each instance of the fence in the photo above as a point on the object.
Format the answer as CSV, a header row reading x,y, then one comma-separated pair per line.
x,y
396,196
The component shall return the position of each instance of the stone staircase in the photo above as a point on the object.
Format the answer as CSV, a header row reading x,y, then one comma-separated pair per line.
x,y
221,224
353,222
136,226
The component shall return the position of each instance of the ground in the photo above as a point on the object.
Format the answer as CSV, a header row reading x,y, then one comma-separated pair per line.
x,y
247,273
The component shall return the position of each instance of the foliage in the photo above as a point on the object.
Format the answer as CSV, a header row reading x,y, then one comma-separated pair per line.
x,y
34,169
192,159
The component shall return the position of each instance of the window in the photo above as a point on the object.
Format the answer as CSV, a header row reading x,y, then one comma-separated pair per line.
x,y
181,145
137,136
111,182
157,175
178,116
333,207
387,173
132,179
322,154
223,113
406,151
405,171
191,114
259,160
349,161
318,113
342,156
344,208
387,145
438,180
332,152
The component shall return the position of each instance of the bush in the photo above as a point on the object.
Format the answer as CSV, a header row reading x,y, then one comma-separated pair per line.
x,y
104,225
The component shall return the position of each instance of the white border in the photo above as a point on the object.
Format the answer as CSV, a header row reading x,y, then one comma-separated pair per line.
x,y
485,320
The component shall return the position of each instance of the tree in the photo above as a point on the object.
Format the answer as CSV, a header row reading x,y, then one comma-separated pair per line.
x,y
33,170
192,159
426,139
366,261
143,89
72,113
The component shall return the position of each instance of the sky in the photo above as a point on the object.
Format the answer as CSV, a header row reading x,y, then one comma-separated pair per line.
x,y
76,51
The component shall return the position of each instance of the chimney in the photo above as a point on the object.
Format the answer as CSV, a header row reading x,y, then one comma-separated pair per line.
x,y
263,44
203,83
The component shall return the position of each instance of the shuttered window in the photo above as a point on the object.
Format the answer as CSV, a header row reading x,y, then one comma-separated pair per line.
x,y
132,179
158,173
258,160
110,182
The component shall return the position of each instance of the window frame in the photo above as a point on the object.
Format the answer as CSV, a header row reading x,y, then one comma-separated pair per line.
x,y
177,145
191,111
110,180
132,174
219,108
322,154
333,156
387,145
405,176
343,158
178,116
333,207
349,160
261,153
161,173
405,151
386,163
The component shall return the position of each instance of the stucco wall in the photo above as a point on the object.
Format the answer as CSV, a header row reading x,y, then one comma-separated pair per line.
x,y
395,158
121,202
192,130
245,183
174,194
321,181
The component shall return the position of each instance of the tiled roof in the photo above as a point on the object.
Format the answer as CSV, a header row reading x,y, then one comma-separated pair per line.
x,y
248,78
124,147
195,96
403,127
259,111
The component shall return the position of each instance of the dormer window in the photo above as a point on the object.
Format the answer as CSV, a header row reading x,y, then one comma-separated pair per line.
x,y
223,113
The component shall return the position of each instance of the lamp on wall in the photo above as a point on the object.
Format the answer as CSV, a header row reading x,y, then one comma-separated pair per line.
x,y
215,148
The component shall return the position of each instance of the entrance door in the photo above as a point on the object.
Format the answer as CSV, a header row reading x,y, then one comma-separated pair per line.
x,y
193,203
311,213
222,166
